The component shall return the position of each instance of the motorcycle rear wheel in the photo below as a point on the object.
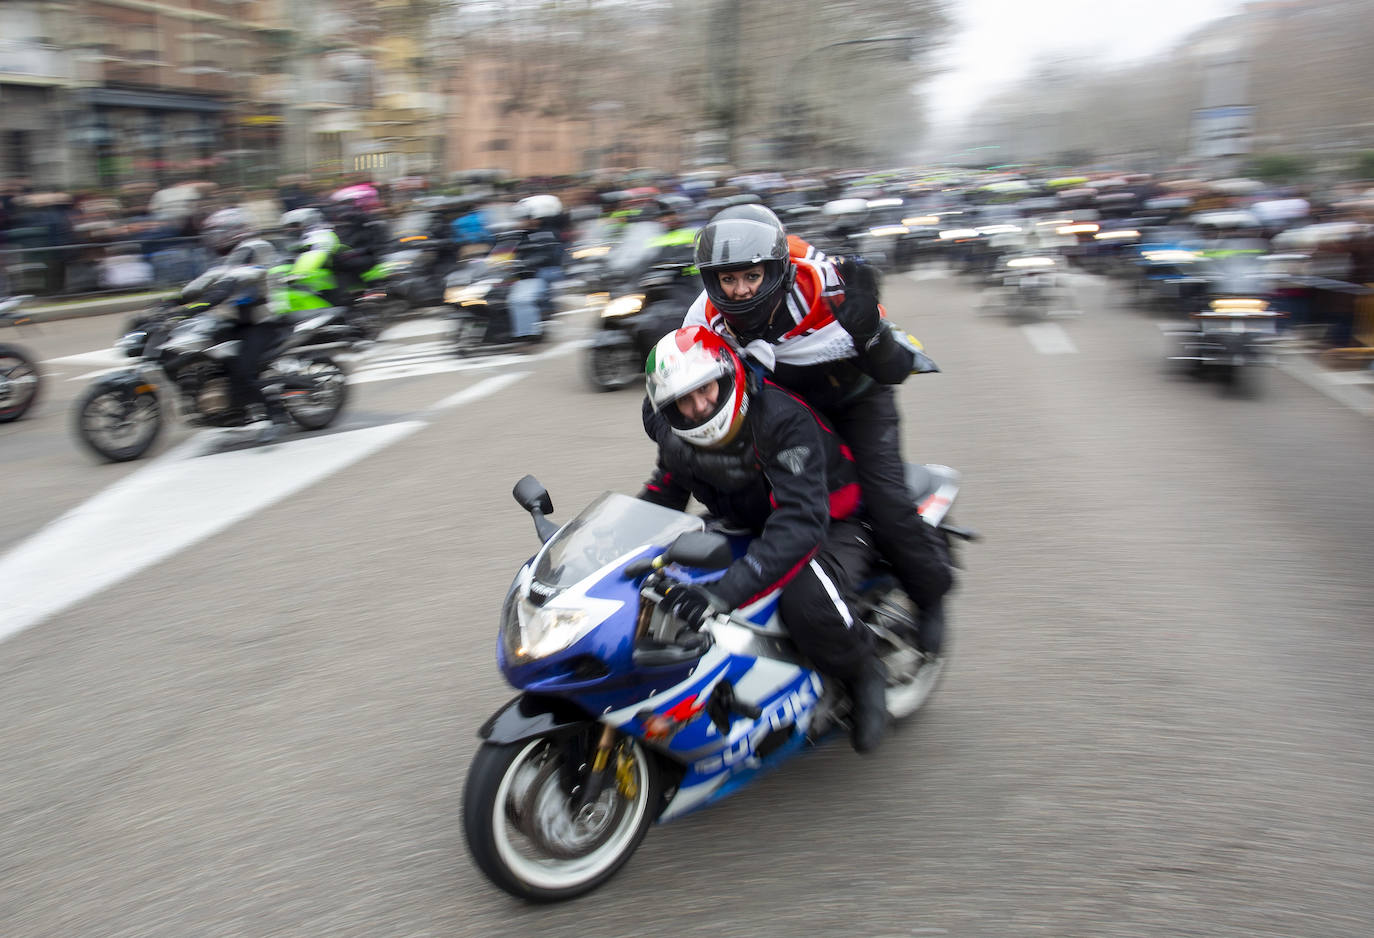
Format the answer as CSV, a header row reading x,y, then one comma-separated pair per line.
x,y
911,676
319,405
524,833
117,426
19,382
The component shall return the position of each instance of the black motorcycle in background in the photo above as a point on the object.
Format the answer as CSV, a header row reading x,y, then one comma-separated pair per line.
x,y
632,322
477,298
181,355
1230,333
418,261
19,377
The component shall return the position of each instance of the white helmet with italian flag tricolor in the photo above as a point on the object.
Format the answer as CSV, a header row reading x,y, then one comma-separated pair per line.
x,y
693,359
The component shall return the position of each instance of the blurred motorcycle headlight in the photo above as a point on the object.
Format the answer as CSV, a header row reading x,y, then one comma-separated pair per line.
x,y
531,631
626,305
1031,262
474,294
884,231
131,344
1170,257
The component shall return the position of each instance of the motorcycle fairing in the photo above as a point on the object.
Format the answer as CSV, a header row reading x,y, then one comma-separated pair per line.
x,y
530,715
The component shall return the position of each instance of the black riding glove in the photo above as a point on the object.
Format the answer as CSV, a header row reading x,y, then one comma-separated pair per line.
x,y
859,312
691,604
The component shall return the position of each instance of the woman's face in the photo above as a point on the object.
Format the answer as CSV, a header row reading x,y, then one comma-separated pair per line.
x,y
741,284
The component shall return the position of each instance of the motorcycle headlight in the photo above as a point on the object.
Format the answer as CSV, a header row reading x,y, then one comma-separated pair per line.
x,y
626,305
529,632
131,344
474,294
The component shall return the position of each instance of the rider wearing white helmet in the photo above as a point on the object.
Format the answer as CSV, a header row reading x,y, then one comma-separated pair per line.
x,y
801,503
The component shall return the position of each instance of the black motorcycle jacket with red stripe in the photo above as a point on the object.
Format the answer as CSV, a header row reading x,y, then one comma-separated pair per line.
x,y
805,478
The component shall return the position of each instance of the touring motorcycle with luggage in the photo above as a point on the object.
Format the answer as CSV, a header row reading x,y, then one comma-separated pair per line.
x,y
624,717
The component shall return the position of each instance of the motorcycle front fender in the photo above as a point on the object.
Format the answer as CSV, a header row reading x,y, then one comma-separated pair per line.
x,y
531,715
611,338
130,381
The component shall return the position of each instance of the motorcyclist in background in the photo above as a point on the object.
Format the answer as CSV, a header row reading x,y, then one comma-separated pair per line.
x,y
540,251
363,237
238,283
818,328
800,500
678,239
306,229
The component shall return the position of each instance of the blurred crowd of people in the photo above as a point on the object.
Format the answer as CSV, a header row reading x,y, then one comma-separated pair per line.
x,y
58,243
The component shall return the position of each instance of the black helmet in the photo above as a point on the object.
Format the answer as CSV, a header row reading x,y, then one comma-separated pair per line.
x,y
739,237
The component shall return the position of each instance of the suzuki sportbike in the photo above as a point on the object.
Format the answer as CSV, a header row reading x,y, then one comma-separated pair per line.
x,y
624,717
19,379
183,358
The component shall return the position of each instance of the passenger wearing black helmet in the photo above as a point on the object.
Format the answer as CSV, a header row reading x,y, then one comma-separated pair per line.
x,y
819,329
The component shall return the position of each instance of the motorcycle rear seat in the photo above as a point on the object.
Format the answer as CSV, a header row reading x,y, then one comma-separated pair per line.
x,y
921,481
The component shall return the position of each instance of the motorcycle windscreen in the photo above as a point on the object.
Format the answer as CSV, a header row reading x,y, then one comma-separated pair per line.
x,y
612,526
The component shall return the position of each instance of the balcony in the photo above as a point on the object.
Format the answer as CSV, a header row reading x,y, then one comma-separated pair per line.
x,y
27,62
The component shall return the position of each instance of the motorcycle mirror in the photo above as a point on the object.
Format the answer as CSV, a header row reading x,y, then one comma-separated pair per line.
x,y
534,498
706,550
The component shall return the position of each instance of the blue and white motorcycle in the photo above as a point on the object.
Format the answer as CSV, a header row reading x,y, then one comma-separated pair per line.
x,y
624,716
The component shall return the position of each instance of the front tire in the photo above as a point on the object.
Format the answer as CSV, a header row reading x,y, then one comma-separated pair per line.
x,y
469,334
118,425
19,382
524,833
612,367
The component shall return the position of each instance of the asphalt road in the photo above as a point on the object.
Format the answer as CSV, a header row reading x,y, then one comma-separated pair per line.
x,y
240,691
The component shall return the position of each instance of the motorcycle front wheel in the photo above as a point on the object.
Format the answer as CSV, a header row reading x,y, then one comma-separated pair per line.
x,y
612,367
315,395
525,831
118,425
469,334
18,383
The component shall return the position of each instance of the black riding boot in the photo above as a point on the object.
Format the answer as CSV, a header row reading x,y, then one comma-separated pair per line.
x,y
868,697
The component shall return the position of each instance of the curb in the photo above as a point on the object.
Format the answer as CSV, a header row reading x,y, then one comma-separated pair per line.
x,y
1314,376
100,306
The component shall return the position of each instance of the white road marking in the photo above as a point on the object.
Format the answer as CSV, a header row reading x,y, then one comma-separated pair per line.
x,y
106,356
1048,339
481,389
415,328
178,500
936,270
383,362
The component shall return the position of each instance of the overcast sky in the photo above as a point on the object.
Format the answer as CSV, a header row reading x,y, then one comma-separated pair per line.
x,y
996,41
